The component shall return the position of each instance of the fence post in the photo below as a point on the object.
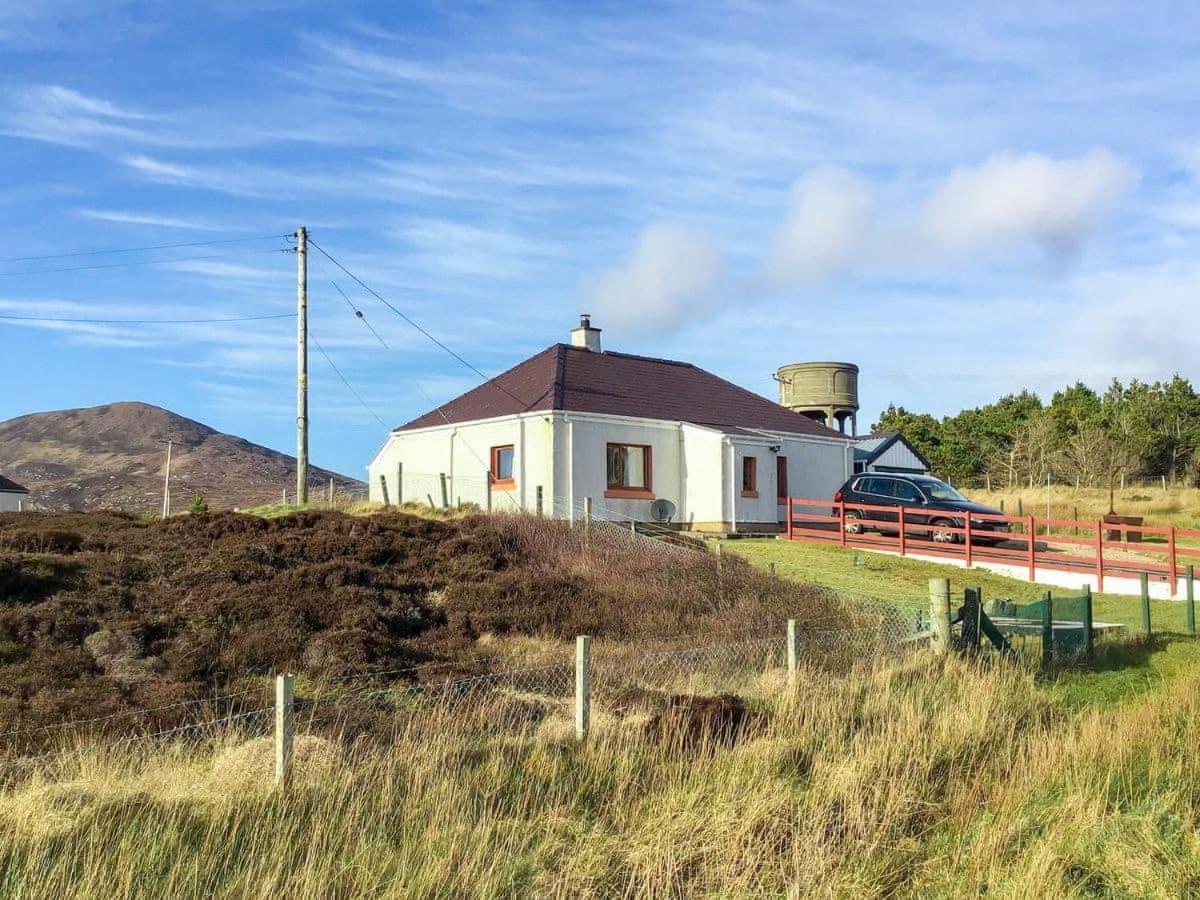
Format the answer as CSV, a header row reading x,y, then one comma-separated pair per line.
x,y
487,488
966,539
1001,504
331,493
842,522
791,654
971,609
1047,628
445,492
771,567
1172,561
903,533
1088,642
399,484
1190,610
1030,532
1020,507
283,500
1145,580
587,516
583,685
383,487
789,509
1099,556
284,687
539,501
633,526
939,613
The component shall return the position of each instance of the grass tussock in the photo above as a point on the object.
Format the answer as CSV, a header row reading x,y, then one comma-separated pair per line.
x,y
919,778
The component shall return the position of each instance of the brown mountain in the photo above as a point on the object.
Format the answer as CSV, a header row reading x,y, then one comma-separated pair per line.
x,y
111,457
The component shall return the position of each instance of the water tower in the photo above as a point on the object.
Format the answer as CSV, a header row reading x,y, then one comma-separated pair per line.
x,y
826,392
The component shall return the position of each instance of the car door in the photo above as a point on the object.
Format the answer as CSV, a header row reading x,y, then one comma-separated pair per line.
x,y
872,490
907,495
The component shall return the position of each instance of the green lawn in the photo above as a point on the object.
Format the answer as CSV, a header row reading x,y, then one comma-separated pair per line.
x,y
905,581
1124,668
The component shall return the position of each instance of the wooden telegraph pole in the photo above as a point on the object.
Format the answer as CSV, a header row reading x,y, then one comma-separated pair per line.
x,y
166,504
301,366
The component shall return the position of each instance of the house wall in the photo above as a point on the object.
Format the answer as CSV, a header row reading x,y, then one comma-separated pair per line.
x,y
589,442
463,453
10,501
696,468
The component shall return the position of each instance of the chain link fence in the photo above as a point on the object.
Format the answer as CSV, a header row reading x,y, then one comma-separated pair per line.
x,y
542,692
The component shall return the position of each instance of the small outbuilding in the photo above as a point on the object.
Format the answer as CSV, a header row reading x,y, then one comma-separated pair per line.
x,y
888,451
13,497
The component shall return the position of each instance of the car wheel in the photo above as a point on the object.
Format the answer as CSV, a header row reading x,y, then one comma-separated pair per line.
x,y
939,533
853,524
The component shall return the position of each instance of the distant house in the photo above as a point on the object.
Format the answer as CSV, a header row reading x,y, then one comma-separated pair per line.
x,y
888,451
576,424
13,497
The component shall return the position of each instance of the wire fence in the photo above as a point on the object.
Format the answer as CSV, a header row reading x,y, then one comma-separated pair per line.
x,y
614,677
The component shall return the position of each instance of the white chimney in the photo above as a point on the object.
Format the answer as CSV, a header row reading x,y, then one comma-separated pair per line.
x,y
585,335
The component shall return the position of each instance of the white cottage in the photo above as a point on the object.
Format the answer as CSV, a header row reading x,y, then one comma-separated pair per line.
x,y
13,497
575,422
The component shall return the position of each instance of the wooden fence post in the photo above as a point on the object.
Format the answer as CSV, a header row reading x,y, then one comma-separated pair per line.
x,y
399,484
1047,628
842,523
1099,556
539,501
791,654
1145,584
1190,610
789,510
939,613
383,487
487,488
1088,640
971,609
284,709
331,493
1172,561
283,499
445,491
903,533
587,516
583,685
1031,534
967,540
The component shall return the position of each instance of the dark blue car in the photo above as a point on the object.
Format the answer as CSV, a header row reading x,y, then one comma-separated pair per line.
x,y
926,501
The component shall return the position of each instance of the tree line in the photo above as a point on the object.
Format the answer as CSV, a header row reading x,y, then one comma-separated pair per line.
x,y
1080,436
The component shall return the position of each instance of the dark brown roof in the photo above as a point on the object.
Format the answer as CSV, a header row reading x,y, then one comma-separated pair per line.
x,y
8,486
563,377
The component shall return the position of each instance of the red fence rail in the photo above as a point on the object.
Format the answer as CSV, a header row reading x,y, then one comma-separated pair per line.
x,y
1162,552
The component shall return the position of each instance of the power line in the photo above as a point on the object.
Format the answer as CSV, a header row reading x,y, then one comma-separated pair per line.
x,y
409,320
145,321
266,237
142,262
348,385
358,313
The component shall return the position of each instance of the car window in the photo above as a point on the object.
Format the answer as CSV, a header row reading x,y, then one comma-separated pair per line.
x,y
902,490
939,490
865,486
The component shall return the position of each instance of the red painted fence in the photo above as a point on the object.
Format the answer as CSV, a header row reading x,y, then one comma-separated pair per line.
x,y
1162,551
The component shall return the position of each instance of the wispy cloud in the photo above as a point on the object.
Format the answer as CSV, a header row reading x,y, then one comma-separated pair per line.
x,y
154,220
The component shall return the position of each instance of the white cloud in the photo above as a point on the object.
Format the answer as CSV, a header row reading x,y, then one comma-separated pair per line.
x,y
825,226
1056,202
139,218
671,276
60,115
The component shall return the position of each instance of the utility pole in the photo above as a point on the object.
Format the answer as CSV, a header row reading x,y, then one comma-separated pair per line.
x,y
301,366
166,504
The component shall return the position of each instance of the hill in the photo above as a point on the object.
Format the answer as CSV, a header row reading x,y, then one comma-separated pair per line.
x,y
111,457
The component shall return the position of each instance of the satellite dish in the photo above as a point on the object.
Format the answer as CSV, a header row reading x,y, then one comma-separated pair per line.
x,y
662,510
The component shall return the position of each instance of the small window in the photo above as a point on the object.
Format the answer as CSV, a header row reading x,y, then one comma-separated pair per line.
x,y
871,486
628,470
902,490
502,465
749,476
781,483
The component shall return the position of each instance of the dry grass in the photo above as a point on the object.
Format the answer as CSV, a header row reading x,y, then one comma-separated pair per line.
x,y
924,778
1179,506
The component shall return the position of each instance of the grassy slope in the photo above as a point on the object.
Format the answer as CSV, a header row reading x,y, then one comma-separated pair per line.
x,y
923,779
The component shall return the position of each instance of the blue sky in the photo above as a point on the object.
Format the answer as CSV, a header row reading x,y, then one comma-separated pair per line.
x,y
964,203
